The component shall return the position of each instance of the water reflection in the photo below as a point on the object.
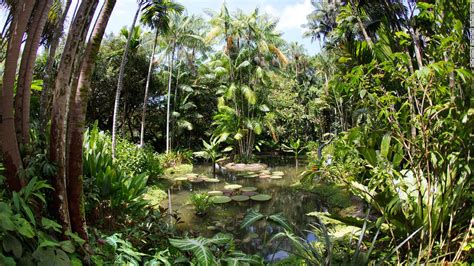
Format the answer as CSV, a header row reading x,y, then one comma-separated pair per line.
x,y
291,203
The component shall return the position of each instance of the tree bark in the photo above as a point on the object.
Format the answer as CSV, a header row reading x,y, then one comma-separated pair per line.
x,y
120,79
168,104
77,120
25,75
45,100
145,98
8,141
59,114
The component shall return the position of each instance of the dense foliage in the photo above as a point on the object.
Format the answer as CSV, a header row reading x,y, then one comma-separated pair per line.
x,y
383,111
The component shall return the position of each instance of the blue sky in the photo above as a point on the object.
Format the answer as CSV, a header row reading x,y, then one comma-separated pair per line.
x,y
291,13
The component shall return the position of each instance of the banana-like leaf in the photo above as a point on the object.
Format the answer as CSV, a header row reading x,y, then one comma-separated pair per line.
x,y
197,246
251,217
280,220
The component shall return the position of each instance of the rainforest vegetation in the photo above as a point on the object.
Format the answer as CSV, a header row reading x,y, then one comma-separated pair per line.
x,y
212,140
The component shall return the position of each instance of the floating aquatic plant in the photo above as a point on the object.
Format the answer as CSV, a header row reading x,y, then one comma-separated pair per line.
x,y
221,199
261,197
233,186
240,198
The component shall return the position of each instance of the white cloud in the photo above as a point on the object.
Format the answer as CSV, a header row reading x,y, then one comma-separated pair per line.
x,y
292,16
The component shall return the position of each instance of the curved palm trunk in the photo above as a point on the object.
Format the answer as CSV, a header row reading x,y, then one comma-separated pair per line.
x,y
25,75
8,141
145,98
45,100
120,79
77,120
59,114
168,104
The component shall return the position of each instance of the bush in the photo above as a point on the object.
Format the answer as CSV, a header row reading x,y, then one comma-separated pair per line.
x,y
108,185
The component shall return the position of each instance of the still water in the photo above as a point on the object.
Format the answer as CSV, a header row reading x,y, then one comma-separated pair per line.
x,y
226,218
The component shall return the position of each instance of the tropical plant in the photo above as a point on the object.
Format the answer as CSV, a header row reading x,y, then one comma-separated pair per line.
x,y
215,250
210,152
28,239
122,75
156,15
201,203
294,147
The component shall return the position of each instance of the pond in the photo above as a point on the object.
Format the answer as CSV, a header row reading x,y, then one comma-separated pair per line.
x,y
226,218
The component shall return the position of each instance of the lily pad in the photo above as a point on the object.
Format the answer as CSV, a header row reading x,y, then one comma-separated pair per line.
x,y
264,176
215,193
232,186
246,189
250,193
276,177
192,175
250,176
221,199
196,180
278,173
212,180
182,178
240,198
261,197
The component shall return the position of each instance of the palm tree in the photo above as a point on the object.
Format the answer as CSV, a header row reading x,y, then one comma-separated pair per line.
x,y
77,121
121,76
180,33
156,15
8,141
25,75
52,43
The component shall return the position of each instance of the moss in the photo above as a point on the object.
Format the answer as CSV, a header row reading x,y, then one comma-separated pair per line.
x,y
155,196
179,169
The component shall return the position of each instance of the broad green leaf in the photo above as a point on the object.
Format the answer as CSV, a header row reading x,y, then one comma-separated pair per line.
x,y
251,217
50,224
24,228
11,243
280,220
197,247
385,146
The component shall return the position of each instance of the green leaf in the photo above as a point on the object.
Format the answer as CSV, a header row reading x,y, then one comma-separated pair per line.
x,y
67,246
24,228
385,146
6,217
11,243
197,247
251,217
50,224
280,220
6,261
243,64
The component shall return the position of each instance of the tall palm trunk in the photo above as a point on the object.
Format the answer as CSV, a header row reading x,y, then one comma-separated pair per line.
x,y
25,75
169,97
120,79
8,141
59,113
145,98
77,121
45,100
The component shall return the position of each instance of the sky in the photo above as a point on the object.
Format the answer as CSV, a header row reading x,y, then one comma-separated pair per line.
x,y
291,13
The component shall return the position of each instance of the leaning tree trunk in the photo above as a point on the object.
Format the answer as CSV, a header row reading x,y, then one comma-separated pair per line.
x,y
25,75
45,99
120,79
145,98
77,120
8,142
59,113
